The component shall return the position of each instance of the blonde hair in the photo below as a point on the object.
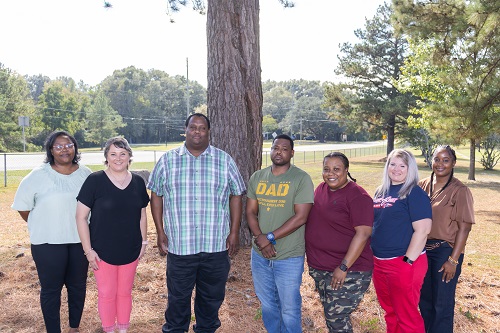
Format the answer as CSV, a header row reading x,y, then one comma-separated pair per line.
x,y
411,177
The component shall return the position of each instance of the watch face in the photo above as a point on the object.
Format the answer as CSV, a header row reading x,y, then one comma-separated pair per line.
x,y
270,236
407,260
343,267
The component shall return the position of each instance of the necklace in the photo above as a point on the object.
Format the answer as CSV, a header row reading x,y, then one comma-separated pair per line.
x,y
116,180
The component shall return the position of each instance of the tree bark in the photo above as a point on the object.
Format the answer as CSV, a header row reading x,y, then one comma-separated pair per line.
x,y
472,160
234,90
391,124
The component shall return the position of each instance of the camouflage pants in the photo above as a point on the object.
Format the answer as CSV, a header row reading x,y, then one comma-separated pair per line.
x,y
339,304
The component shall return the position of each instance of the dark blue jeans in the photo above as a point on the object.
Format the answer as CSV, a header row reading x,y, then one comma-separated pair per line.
x,y
437,298
61,265
208,272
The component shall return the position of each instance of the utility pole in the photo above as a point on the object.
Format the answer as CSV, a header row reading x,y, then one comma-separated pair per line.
x,y
301,129
187,87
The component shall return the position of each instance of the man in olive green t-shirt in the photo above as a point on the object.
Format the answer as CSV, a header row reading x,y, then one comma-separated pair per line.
x,y
279,199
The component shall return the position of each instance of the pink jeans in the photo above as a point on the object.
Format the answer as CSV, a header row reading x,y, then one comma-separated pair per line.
x,y
114,289
398,286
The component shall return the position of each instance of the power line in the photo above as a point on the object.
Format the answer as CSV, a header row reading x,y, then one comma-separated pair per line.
x,y
159,119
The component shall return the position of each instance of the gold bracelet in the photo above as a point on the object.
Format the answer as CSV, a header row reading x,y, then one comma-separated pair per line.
x,y
452,261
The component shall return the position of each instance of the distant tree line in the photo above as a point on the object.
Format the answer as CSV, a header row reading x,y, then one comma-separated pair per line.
x,y
296,107
147,107
143,106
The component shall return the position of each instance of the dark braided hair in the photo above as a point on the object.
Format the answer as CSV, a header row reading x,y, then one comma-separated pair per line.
x,y
344,159
453,157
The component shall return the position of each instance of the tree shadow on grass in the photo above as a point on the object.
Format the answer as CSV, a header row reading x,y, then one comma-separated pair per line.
x,y
489,216
494,186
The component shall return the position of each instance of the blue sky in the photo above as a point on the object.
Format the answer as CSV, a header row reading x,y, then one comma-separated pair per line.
x,y
83,40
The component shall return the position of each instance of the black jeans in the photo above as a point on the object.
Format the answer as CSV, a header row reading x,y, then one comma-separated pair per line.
x,y
437,298
209,272
58,265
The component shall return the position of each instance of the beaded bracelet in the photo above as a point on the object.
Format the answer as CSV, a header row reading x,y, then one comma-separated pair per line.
x,y
452,261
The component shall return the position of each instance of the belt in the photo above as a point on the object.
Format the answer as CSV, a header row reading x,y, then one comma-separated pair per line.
x,y
433,245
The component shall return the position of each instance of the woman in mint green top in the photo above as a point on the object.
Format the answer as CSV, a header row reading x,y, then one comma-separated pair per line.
x,y
46,199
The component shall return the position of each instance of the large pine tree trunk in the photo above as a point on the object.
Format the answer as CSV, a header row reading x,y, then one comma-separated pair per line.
x,y
234,85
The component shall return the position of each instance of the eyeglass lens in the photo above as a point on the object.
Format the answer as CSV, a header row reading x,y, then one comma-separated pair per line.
x,y
60,147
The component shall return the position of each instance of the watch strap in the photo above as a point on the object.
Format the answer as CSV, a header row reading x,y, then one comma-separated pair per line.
x,y
407,260
270,238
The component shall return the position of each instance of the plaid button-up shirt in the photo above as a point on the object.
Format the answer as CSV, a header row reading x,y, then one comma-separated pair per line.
x,y
195,193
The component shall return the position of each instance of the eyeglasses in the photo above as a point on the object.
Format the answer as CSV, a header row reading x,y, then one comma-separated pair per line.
x,y
61,147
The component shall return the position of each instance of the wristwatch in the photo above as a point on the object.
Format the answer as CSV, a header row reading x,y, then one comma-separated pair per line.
x,y
407,260
343,267
270,237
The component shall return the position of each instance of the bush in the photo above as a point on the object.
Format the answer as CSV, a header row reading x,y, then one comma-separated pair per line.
x,y
490,154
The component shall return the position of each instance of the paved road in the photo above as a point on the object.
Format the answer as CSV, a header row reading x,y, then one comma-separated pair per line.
x,y
336,146
29,161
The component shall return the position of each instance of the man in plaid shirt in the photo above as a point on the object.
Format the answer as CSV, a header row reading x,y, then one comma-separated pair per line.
x,y
196,203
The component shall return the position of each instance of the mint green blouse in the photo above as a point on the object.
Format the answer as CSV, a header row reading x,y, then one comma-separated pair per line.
x,y
51,199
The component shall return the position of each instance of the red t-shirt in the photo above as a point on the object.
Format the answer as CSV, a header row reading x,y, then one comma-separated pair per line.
x,y
330,227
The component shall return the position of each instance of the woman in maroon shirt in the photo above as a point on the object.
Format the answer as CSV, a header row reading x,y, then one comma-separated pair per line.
x,y
337,242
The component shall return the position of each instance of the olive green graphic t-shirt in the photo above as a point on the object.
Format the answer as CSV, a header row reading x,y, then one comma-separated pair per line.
x,y
277,196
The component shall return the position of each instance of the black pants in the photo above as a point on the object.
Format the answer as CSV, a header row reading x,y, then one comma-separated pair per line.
x,y
209,272
437,298
59,265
